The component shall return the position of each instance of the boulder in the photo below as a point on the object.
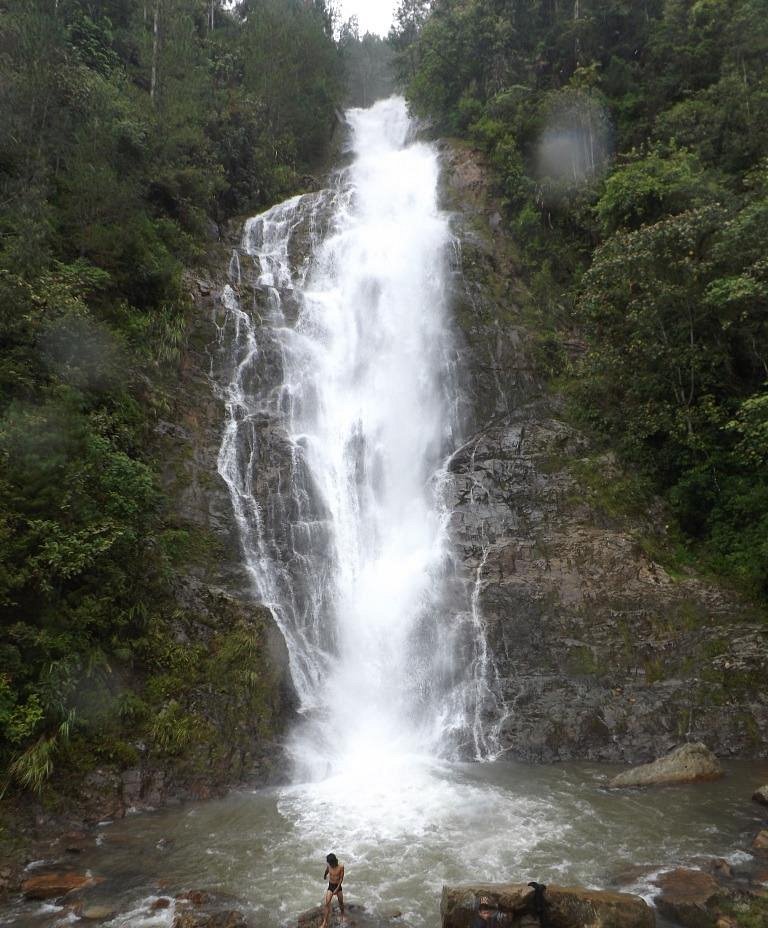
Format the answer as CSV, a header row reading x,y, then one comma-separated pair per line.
x,y
96,913
760,843
53,885
566,906
355,916
198,897
690,897
761,795
689,763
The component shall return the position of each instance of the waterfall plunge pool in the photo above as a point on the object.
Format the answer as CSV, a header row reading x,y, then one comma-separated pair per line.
x,y
405,828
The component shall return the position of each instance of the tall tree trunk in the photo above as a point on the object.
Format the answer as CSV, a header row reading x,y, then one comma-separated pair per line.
x,y
155,49
577,43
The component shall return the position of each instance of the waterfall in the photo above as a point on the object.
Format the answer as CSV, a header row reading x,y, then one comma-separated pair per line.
x,y
341,412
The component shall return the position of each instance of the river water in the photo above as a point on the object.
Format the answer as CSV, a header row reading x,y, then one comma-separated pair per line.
x,y
337,369
402,835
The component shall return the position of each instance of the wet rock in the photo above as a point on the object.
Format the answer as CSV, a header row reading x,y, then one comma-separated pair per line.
x,y
356,916
690,763
96,913
197,897
761,795
760,843
603,655
565,907
162,903
690,897
720,868
228,919
592,909
625,873
54,885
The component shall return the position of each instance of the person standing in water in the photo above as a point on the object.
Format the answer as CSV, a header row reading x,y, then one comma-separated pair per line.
x,y
335,874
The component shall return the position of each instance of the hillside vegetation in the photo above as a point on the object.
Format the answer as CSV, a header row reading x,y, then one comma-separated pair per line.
x,y
130,129
630,146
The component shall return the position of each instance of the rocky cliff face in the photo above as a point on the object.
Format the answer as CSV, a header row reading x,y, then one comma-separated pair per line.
x,y
601,652
244,689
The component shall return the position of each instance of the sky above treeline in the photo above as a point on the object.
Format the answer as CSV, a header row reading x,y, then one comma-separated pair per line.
x,y
373,15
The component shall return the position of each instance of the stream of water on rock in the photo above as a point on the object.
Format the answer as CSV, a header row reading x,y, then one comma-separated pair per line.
x,y
342,407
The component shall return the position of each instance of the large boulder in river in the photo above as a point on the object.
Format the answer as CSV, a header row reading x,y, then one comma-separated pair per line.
x,y
761,795
565,907
357,916
687,764
690,897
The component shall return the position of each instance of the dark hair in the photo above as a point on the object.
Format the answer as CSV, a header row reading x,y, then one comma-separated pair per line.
x,y
333,860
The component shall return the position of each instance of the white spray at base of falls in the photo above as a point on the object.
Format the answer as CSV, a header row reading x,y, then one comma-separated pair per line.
x,y
342,406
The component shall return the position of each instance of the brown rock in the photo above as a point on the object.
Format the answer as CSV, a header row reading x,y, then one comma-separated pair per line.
x,y
162,903
760,843
96,913
720,867
197,897
52,885
566,907
356,916
227,919
689,897
690,763
590,908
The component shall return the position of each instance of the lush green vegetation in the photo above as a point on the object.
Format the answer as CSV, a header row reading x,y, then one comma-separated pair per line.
x,y
130,128
630,142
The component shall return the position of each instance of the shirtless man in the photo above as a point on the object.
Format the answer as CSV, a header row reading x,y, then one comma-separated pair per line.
x,y
335,874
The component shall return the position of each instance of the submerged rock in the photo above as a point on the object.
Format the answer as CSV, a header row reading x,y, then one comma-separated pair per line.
x,y
53,885
689,763
227,919
564,906
96,913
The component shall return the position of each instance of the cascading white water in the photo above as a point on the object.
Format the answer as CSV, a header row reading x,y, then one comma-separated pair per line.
x,y
342,408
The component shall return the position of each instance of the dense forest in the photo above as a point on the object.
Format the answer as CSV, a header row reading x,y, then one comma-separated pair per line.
x,y
131,129
629,142
630,145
